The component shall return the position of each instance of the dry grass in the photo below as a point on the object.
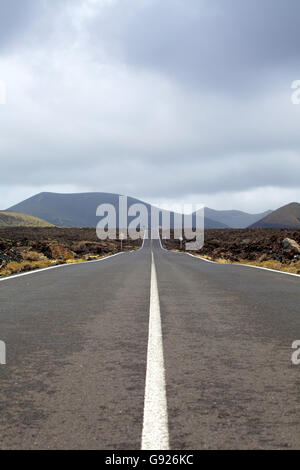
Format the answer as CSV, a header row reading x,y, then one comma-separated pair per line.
x,y
24,266
29,265
222,261
293,268
33,256
18,219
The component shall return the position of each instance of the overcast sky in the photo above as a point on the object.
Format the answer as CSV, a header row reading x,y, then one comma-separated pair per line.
x,y
165,100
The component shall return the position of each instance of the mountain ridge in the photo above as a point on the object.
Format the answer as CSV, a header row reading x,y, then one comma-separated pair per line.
x,y
287,216
79,210
234,218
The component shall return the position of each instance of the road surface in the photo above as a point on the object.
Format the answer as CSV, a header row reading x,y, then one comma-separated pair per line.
x,y
219,376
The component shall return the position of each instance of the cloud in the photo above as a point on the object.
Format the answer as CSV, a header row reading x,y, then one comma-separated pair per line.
x,y
154,99
216,44
14,19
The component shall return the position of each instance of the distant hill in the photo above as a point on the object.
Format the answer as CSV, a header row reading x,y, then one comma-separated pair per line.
x,y
79,210
17,219
234,219
69,210
210,223
285,217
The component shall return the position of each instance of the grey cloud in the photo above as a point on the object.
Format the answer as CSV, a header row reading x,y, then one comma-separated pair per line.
x,y
15,17
212,43
144,97
30,23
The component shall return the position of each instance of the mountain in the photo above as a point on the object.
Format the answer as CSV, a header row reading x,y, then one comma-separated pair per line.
x,y
210,223
69,210
285,217
234,219
16,219
79,210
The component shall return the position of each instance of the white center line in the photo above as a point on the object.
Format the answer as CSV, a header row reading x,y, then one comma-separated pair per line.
x,y
155,427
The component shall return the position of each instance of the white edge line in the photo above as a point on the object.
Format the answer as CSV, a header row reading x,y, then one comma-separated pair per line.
x,y
203,259
141,247
161,243
241,264
36,271
144,238
185,253
230,264
155,435
267,269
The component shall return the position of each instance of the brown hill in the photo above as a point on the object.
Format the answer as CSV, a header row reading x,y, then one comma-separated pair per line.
x,y
17,219
285,217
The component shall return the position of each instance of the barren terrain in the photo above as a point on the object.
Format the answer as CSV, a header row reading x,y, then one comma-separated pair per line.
x,y
24,249
262,247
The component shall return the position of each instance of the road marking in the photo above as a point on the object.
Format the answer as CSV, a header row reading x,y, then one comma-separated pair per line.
x,y
267,269
230,264
144,238
161,243
202,259
155,426
36,271
185,253
244,265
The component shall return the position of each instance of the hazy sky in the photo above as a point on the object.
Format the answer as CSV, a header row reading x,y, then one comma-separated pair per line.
x,y
165,100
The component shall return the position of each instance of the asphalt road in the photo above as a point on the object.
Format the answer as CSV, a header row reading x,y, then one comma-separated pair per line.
x,y
77,340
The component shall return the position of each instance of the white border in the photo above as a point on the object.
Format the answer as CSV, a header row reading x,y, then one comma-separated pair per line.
x,y
266,269
230,264
35,271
